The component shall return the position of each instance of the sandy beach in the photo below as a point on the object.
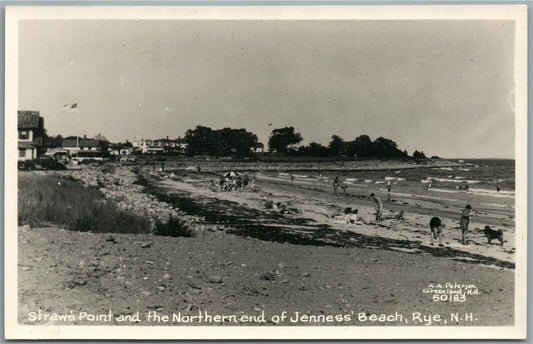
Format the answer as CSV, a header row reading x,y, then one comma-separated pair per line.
x,y
250,260
314,201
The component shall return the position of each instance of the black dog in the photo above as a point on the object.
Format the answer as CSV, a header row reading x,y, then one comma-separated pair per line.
x,y
492,234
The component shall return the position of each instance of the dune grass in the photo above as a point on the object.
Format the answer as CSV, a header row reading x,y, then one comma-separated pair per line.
x,y
48,199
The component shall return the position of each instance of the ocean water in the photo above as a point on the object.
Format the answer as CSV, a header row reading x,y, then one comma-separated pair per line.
x,y
482,176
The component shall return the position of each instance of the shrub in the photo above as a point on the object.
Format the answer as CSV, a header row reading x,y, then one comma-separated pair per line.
x,y
174,227
50,164
91,162
26,165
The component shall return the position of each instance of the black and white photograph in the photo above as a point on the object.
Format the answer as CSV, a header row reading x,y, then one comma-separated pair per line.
x,y
274,172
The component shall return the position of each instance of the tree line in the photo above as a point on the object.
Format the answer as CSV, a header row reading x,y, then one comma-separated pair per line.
x,y
240,143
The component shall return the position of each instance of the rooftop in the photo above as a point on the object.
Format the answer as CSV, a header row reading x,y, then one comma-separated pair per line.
x,y
28,120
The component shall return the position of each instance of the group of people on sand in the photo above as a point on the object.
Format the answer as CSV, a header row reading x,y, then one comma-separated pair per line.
x,y
436,226
235,182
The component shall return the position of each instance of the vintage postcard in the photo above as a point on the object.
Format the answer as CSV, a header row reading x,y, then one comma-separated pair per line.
x,y
276,172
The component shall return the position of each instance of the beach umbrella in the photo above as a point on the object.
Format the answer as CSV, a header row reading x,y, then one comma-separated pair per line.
x,y
230,174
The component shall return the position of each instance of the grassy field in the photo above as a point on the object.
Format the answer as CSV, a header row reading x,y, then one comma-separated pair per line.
x,y
44,199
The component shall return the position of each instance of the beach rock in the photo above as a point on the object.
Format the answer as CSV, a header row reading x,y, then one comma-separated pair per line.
x,y
193,286
167,276
146,245
110,238
267,276
215,279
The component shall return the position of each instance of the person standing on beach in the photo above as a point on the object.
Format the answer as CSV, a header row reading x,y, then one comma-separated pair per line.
x,y
389,188
378,206
498,188
465,221
335,185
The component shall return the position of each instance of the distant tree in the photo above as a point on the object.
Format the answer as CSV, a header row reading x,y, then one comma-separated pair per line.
x,y
54,141
387,148
128,144
313,149
199,141
363,147
419,155
238,142
282,140
245,141
222,142
334,147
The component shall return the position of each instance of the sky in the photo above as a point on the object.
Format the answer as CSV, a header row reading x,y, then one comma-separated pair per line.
x,y
445,87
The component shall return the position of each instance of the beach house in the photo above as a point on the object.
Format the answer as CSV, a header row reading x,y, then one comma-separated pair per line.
x,y
31,135
159,146
86,148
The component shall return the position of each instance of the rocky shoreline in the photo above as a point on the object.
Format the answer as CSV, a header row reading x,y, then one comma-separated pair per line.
x,y
214,165
120,184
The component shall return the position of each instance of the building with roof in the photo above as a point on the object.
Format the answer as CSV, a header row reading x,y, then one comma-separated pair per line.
x,y
85,147
31,135
159,146
258,148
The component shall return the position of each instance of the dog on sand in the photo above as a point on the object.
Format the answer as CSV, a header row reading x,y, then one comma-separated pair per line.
x,y
491,234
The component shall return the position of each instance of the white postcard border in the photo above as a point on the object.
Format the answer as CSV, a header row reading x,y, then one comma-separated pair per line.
x,y
14,14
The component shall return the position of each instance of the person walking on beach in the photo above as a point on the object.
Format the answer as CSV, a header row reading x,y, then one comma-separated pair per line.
x,y
498,188
335,185
378,206
245,181
389,188
221,183
238,184
465,221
